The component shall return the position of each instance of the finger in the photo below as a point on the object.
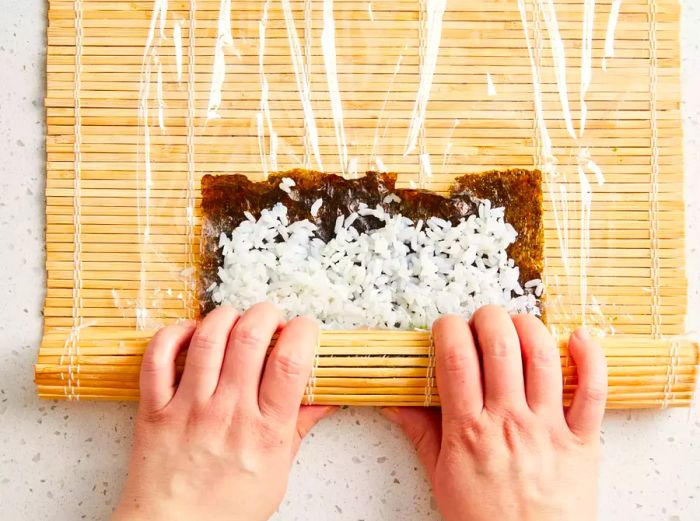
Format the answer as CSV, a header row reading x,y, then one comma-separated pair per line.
x,y
203,363
502,365
309,416
422,426
158,371
543,380
246,350
287,370
457,368
588,405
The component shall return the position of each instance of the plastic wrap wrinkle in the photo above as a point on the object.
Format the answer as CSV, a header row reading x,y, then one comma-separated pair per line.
x,y
559,57
544,146
263,117
301,73
430,47
177,41
490,87
586,59
377,138
224,41
329,60
585,163
610,33
144,186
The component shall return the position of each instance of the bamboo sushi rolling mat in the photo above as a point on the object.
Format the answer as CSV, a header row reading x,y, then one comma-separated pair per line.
x,y
137,112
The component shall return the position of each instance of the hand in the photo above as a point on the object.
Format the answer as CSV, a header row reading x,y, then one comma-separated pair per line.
x,y
503,447
221,443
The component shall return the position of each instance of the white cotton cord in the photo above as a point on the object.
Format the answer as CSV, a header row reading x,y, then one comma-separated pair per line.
x,y
76,294
654,188
671,372
190,298
430,373
311,382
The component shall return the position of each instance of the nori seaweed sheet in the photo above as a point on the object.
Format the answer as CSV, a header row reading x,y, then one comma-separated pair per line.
x,y
225,198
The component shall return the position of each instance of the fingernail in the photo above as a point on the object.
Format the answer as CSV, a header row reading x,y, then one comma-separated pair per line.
x,y
582,333
187,323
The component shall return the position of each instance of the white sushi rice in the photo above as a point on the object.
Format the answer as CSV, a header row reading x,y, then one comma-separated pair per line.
x,y
316,207
402,275
287,184
391,198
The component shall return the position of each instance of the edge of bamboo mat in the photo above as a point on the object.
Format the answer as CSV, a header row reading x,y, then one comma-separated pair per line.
x,y
350,368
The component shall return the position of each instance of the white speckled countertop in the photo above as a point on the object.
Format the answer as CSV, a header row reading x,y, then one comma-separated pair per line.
x,y
67,461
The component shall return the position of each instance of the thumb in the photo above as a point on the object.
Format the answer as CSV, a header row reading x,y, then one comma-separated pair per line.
x,y
310,415
422,426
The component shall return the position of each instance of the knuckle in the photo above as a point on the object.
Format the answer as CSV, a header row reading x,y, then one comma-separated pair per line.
x,y
544,356
205,341
157,417
417,433
274,412
155,356
290,366
247,335
208,416
455,358
466,431
242,422
561,438
418,436
153,363
514,429
161,337
218,411
499,347
596,393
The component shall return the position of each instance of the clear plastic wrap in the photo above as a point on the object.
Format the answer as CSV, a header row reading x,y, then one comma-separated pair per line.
x,y
430,90
585,91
